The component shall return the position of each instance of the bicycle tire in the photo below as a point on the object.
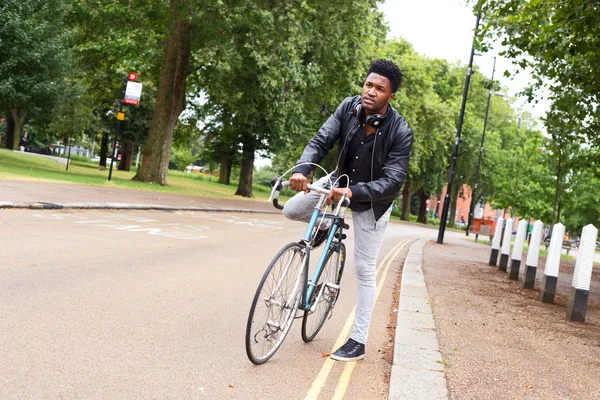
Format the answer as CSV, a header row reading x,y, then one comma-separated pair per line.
x,y
313,321
284,283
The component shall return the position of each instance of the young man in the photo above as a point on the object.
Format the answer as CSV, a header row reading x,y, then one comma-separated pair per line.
x,y
374,146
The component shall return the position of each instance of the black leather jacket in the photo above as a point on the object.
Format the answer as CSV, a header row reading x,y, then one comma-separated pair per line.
x,y
391,152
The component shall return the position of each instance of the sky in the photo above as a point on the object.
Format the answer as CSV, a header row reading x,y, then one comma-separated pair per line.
x,y
444,29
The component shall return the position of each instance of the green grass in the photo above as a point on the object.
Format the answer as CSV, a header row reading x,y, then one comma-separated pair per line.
x,y
18,166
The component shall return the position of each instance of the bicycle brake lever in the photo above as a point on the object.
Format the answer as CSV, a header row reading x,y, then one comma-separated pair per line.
x,y
277,186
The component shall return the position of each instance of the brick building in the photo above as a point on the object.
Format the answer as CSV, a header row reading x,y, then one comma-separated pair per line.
x,y
462,207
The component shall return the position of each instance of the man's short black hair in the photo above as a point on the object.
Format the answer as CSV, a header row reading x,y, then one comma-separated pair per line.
x,y
388,69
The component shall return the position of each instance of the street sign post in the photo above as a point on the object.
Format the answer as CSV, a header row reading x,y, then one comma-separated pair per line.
x,y
132,92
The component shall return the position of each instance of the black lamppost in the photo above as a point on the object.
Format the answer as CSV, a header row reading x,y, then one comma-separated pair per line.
x,y
487,112
446,206
116,139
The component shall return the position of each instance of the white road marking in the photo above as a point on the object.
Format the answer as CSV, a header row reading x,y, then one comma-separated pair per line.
x,y
176,230
48,216
328,364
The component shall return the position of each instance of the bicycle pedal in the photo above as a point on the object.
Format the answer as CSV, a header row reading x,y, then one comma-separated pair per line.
x,y
345,225
337,236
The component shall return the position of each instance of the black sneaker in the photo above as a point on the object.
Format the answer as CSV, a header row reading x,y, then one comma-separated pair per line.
x,y
320,237
351,351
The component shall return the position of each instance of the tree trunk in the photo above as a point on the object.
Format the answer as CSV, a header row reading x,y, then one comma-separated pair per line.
x,y
225,171
170,98
126,156
422,218
406,194
103,151
247,169
18,117
93,147
10,130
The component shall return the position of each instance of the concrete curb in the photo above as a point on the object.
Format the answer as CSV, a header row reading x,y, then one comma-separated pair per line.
x,y
417,369
121,206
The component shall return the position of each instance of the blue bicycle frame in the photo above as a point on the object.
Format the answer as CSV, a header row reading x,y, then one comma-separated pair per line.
x,y
335,228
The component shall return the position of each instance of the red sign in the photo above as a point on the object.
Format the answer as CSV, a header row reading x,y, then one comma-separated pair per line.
x,y
132,76
484,226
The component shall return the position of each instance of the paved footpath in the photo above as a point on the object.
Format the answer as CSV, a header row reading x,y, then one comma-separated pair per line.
x,y
416,370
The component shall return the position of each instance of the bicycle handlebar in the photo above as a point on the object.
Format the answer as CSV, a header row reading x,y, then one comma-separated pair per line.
x,y
279,185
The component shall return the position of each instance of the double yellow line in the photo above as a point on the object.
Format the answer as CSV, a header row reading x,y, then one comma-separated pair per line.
x,y
344,380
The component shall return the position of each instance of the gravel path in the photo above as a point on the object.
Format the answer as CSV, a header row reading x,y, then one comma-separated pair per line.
x,y
498,341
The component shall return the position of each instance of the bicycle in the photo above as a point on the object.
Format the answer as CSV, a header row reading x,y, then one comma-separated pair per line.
x,y
284,288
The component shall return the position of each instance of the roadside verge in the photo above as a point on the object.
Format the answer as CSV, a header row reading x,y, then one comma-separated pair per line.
x,y
121,206
417,368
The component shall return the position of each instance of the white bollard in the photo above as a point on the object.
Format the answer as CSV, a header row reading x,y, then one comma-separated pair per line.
x,y
517,253
533,255
496,241
506,244
552,264
582,276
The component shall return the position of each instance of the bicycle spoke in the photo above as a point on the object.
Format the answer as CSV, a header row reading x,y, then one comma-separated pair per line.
x,y
275,304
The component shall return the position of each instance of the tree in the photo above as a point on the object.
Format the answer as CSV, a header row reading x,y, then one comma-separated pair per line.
x,y
112,38
581,202
183,157
188,144
34,52
429,116
273,81
558,41
170,97
521,176
72,116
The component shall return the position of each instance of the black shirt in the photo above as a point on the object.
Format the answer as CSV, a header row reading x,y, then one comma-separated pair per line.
x,y
358,164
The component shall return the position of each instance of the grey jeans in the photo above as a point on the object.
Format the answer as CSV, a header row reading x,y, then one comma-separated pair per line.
x,y
368,236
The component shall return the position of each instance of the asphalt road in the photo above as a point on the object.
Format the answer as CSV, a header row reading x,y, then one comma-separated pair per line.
x,y
101,304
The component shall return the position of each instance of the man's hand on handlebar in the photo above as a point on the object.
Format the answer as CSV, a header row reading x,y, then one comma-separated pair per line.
x,y
298,182
336,194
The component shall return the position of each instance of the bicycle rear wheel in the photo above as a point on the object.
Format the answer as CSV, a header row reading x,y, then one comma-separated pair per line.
x,y
275,303
324,295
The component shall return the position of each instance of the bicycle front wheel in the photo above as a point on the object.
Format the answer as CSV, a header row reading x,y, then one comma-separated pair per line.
x,y
325,294
275,303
